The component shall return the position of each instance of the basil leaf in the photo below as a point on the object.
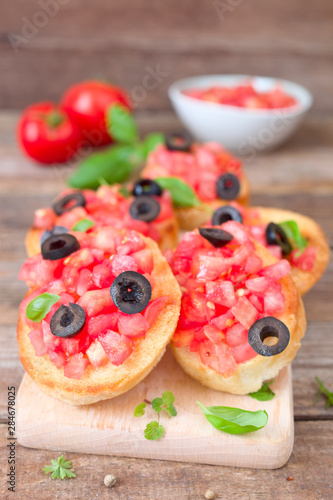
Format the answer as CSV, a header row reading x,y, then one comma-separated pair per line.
x,y
234,420
39,307
121,124
151,141
265,393
140,410
83,225
293,233
182,194
114,165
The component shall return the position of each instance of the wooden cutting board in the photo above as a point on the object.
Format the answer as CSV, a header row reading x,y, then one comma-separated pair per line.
x,y
109,427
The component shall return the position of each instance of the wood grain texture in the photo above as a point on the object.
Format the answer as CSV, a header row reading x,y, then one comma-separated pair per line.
x,y
109,427
119,40
310,466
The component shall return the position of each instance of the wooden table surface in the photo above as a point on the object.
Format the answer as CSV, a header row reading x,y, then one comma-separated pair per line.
x,y
297,177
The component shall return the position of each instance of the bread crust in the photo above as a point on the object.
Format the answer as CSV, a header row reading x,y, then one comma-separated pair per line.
x,y
110,381
168,229
310,230
250,375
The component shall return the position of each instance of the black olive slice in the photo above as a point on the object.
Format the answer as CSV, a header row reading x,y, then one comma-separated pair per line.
x,y
227,187
59,246
217,237
55,230
178,141
64,205
68,321
147,187
223,214
268,327
145,208
131,292
276,236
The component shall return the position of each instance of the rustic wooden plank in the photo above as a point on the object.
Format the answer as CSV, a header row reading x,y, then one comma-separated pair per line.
x,y
119,40
310,468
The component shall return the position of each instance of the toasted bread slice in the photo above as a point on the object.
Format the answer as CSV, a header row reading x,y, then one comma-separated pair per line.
x,y
109,381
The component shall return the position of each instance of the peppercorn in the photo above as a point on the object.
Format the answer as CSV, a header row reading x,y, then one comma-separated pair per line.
x,y
109,480
210,494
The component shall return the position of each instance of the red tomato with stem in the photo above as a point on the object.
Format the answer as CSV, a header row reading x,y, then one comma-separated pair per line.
x,y
87,103
47,133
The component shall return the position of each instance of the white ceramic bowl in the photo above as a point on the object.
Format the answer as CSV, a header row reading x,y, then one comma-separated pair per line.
x,y
242,130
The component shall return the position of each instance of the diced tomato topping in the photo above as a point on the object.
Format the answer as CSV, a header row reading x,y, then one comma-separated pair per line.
x,y
122,263
144,260
44,218
278,270
37,272
66,299
76,365
218,357
99,324
131,243
273,302
58,358
223,321
304,260
104,240
245,312
194,310
236,335
80,259
70,278
102,275
96,354
258,285
154,309
237,230
221,292
211,267
132,325
213,334
117,347
183,338
85,282
243,352
253,264
97,302
257,302
37,340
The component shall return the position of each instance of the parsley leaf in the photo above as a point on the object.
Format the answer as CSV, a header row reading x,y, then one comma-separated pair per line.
x,y
154,431
265,393
60,468
140,410
325,392
169,399
39,307
157,404
234,420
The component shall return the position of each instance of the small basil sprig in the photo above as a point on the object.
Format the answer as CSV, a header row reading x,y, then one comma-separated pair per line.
x,y
116,163
182,194
154,430
293,233
265,393
322,390
83,225
40,307
234,420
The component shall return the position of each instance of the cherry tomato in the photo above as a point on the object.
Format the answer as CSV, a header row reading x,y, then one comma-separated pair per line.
x,y
47,134
87,103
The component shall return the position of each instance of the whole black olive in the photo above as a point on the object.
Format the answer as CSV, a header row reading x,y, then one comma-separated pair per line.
x,y
147,187
178,141
68,321
59,246
64,204
268,327
217,237
227,187
276,236
145,208
226,213
131,292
